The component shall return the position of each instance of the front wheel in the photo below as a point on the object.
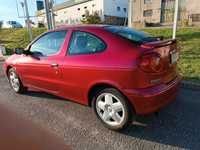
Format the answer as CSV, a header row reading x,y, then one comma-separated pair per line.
x,y
15,82
112,108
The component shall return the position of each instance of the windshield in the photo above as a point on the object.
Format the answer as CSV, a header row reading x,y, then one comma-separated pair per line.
x,y
131,34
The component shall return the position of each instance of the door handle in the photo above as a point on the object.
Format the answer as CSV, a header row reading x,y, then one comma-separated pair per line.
x,y
54,65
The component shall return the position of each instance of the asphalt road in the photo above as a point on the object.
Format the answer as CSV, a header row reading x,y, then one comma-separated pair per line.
x,y
176,127
17,133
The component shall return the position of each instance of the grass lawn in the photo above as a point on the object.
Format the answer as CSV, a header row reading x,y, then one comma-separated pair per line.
x,y
17,38
189,39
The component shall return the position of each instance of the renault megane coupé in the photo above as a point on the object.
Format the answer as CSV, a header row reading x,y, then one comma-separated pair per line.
x,y
118,71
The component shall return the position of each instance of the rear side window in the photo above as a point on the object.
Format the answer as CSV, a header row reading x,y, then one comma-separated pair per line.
x,y
131,34
85,43
49,44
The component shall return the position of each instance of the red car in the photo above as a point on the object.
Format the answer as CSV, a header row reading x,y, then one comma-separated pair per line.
x,y
118,71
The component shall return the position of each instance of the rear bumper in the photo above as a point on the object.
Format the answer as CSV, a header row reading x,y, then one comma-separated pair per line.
x,y
149,100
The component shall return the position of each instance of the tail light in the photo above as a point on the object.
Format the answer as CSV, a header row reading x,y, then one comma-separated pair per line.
x,y
151,63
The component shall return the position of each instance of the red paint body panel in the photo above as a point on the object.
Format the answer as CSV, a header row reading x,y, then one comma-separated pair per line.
x,y
116,66
152,99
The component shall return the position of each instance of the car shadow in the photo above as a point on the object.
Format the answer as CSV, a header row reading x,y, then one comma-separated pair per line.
x,y
176,125
40,94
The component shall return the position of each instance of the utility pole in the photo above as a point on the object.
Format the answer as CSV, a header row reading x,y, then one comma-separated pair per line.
x,y
130,11
22,4
175,19
51,2
28,20
48,16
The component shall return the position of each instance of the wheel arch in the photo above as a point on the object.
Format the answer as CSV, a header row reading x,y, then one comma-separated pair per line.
x,y
95,88
102,85
8,68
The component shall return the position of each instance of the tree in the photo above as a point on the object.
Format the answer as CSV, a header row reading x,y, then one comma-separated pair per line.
x,y
91,18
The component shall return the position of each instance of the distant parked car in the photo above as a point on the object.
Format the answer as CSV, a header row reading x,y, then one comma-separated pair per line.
x,y
11,24
119,71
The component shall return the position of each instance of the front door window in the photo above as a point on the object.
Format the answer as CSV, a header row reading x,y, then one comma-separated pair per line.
x,y
49,44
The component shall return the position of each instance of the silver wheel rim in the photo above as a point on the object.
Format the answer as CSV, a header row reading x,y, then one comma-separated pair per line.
x,y
14,81
110,109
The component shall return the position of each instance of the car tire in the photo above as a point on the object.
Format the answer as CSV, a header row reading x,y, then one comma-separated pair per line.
x,y
15,82
112,109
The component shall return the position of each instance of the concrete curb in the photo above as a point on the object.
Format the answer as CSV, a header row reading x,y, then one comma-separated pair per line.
x,y
190,85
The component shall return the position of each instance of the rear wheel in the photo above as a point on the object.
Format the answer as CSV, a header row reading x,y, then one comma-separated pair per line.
x,y
112,108
15,81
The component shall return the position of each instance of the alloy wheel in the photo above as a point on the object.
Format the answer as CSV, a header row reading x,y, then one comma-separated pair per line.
x,y
110,109
14,81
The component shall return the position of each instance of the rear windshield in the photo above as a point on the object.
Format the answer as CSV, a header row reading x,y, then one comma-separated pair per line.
x,y
131,34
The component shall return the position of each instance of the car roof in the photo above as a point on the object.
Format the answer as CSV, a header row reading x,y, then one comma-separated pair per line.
x,y
81,26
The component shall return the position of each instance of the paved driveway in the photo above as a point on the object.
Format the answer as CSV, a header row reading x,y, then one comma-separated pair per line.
x,y
176,127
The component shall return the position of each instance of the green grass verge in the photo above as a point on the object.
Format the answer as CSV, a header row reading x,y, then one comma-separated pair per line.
x,y
189,40
17,38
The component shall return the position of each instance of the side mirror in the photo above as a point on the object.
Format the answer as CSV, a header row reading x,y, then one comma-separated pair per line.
x,y
19,51
35,57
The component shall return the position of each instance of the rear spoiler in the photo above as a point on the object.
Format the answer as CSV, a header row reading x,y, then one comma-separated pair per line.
x,y
157,44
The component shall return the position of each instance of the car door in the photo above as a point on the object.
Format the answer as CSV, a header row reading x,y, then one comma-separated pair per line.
x,y
78,65
40,68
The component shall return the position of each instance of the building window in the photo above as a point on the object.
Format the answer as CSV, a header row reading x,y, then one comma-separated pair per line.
x,y
147,1
147,13
125,10
195,17
79,9
85,7
118,8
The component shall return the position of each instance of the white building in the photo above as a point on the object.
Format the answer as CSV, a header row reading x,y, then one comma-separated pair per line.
x,y
72,11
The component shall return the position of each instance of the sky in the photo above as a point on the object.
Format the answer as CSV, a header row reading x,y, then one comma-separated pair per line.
x,y
8,9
